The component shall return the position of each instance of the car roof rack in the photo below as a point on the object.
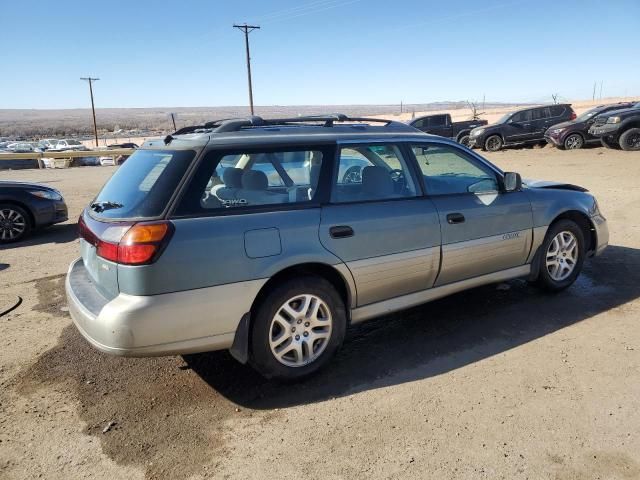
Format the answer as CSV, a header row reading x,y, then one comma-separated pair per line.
x,y
237,124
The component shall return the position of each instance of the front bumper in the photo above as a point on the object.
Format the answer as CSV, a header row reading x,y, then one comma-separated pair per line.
x,y
168,324
553,139
608,130
49,212
475,142
602,233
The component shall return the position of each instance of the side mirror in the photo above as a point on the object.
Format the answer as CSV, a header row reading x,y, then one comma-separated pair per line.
x,y
512,182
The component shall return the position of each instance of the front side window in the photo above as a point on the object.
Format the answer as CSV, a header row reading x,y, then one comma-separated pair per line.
x,y
372,172
447,170
253,179
521,116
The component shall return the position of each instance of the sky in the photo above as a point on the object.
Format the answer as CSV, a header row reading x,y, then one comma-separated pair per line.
x,y
313,52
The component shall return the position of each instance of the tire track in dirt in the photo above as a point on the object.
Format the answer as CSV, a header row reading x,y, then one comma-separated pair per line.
x,y
160,414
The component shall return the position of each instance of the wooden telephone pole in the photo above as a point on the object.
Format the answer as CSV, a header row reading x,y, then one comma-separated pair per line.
x,y
247,29
93,108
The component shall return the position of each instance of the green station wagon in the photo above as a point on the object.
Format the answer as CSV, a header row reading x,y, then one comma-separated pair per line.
x,y
268,237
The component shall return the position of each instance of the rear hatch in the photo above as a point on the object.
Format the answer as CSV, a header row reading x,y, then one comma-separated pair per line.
x,y
125,223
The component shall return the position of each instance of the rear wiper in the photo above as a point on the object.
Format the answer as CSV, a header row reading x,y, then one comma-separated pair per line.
x,y
106,205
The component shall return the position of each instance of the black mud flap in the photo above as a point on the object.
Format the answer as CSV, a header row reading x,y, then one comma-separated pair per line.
x,y
240,348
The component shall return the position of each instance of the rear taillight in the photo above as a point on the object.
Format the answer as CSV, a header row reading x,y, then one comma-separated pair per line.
x,y
129,243
573,116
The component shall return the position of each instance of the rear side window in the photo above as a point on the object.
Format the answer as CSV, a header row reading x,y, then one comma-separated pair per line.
x,y
143,185
372,172
557,110
232,180
438,121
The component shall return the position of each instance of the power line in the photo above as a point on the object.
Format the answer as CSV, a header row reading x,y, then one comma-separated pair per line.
x,y
247,29
93,108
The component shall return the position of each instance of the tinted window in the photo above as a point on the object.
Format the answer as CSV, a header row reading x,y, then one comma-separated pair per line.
x,y
448,170
143,185
438,121
372,172
253,178
557,110
418,123
540,113
522,116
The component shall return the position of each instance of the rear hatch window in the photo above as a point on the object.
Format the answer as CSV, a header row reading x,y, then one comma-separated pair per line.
x,y
143,185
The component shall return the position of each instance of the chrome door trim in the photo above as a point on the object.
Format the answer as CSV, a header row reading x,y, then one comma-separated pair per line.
x,y
405,301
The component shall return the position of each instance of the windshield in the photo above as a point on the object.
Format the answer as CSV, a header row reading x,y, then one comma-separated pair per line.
x,y
587,115
637,105
505,117
73,142
143,185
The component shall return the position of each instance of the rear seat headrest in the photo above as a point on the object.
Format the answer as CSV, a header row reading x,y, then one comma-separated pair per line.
x,y
232,177
255,180
376,180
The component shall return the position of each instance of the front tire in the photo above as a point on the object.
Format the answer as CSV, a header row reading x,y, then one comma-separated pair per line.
x,y
630,140
493,143
563,252
298,328
573,142
464,140
14,223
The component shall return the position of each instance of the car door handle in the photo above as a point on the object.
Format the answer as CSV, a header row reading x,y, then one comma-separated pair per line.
x,y
341,231
454,218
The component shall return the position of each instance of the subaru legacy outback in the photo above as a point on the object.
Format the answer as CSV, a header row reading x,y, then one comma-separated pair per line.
x,y
270,237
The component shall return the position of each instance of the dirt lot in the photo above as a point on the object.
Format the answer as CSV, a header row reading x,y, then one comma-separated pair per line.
x,y
498,382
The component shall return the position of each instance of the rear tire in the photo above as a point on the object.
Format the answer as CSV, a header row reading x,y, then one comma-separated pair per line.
x,y
562,255
493,143
630,140
573,142
297,329
15,224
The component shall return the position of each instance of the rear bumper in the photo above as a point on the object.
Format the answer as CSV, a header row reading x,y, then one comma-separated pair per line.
x,y
168,324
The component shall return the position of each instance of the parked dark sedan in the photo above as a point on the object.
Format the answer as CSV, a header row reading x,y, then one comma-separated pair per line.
x,y
25,207
574,134
525,126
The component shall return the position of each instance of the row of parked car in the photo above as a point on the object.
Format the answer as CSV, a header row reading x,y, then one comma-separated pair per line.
x,y
47,144
615,126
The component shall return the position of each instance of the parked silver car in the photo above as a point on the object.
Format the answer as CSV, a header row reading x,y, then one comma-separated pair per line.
x,y
251,236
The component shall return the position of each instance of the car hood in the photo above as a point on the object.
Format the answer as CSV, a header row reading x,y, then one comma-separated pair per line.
x,y
532,183
564,124
4,183
613,113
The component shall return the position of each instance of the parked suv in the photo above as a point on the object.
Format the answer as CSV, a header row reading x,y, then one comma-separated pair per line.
x,y
521,127
575,134
619,128
442,125
248,237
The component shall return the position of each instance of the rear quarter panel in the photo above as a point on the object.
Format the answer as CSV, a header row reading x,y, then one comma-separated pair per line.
x,y
210,251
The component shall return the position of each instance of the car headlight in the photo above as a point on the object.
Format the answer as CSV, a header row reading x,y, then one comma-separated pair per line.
x,y
477,131
613,120
557,130
48,194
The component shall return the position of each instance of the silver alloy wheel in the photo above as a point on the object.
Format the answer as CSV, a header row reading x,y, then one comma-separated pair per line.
x,y
573,142
300,330
562,255
12,224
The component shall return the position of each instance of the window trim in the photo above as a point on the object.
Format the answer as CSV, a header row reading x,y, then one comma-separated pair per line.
x,y
328,152
473,159
408,159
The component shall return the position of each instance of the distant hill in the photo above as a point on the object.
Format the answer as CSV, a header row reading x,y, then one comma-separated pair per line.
x,y
71,122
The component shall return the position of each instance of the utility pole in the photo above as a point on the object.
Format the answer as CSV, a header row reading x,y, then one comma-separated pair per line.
x,y
247,29
93,108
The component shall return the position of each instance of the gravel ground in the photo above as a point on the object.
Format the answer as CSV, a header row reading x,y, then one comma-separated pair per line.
x,y
498,382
